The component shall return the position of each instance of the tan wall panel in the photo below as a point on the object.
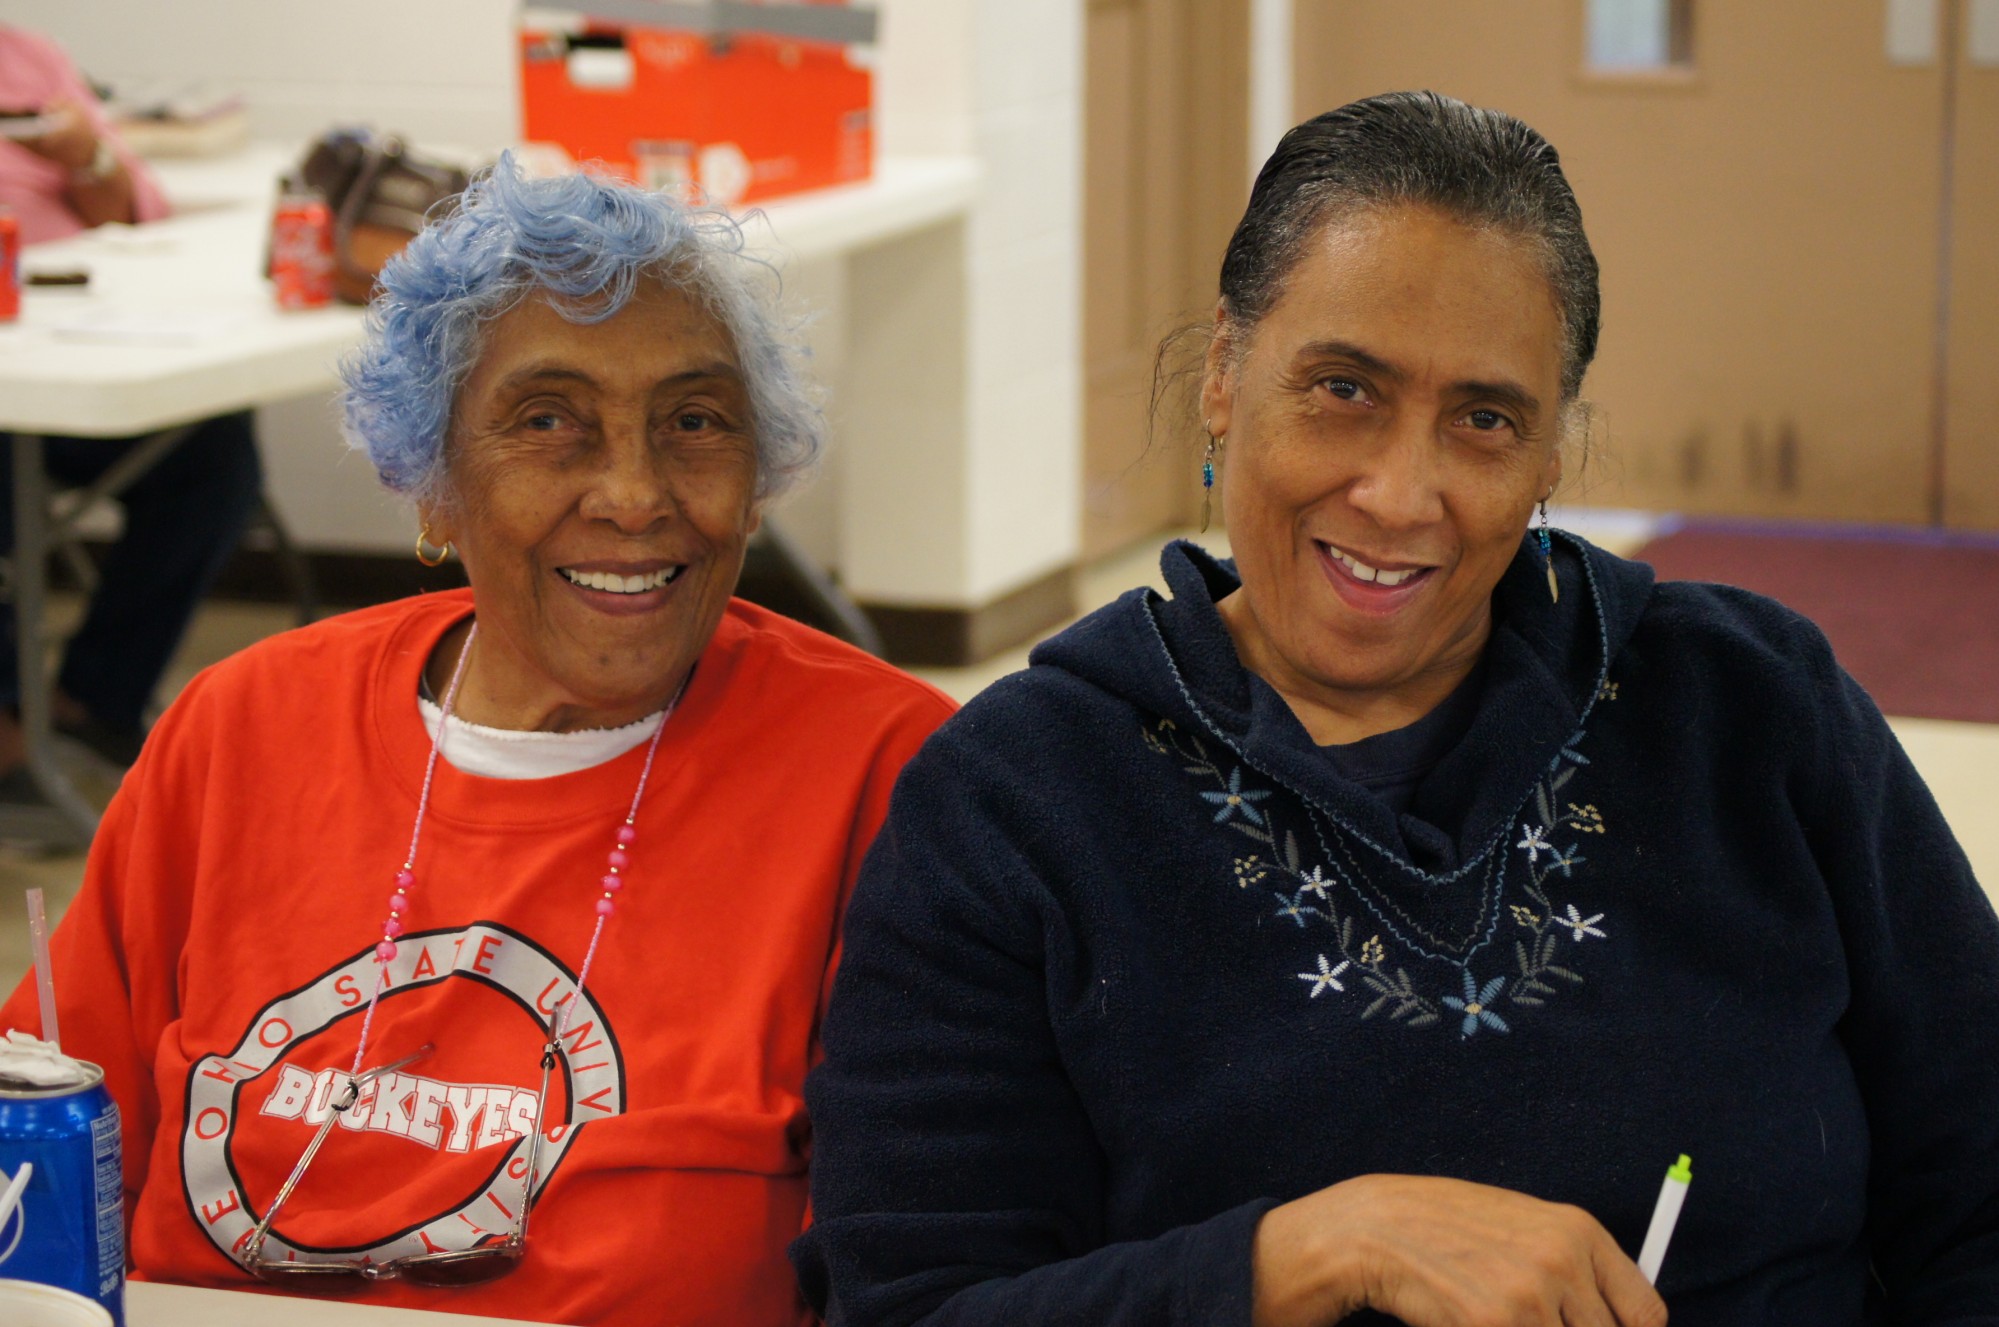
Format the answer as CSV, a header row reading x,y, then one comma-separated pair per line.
x,y
1218,141
1167,110
1121,497
1766,227
1112,308
1972,456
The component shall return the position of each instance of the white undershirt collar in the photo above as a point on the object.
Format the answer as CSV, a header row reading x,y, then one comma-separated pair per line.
x,y
504,753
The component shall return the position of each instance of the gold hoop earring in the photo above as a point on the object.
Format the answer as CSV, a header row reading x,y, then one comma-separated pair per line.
x,y
1208,473
423,554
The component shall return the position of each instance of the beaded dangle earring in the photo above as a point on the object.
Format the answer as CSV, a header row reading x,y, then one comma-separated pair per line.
x,y
1548,556
1208,476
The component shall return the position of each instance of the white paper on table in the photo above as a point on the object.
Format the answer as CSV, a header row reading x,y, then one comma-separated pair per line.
x,y
123,237
149,327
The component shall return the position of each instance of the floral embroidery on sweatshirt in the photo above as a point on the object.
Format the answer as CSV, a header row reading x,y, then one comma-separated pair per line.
x,y
1368,943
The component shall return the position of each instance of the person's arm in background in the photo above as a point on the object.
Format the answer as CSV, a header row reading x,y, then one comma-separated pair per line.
x,y
113,185
1923,965
100,187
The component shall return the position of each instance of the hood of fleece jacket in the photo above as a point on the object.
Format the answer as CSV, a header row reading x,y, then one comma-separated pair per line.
x,y
1546,663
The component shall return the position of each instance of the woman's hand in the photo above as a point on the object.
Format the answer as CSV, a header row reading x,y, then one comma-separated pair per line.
x,y
72,143
1443,1253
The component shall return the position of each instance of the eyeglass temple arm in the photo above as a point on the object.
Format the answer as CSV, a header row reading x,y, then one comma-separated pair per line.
x,y
348,1096
548,1054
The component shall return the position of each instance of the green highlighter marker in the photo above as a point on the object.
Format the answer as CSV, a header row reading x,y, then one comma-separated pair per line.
x,y
1665,1215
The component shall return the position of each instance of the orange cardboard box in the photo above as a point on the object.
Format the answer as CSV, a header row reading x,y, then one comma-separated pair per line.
x,y
732,114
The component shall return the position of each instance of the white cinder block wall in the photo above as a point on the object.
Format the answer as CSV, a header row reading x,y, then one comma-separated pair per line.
x,y
1001,79
436,69
1025,302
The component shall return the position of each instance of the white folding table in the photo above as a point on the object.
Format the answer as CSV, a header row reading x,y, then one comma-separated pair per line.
x,y
148,1304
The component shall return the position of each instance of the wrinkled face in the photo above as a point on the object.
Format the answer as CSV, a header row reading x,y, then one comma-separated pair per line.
x,y
601,493
1388,433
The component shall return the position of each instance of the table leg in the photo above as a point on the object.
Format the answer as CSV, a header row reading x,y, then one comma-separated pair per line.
x,y
819,589
31,548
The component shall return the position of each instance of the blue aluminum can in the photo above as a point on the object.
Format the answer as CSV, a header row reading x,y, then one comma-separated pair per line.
x,y
74,1206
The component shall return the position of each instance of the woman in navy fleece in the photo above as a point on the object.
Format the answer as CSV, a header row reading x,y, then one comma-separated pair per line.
x,y
1365,928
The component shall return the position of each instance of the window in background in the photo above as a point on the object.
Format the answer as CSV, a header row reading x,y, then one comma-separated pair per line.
x,y
1636,35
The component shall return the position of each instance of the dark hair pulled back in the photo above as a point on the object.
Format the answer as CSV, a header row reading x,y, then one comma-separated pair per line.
x,y
1482,167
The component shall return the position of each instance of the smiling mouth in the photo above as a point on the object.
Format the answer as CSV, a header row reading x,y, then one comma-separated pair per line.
x,y
1362,571
612,583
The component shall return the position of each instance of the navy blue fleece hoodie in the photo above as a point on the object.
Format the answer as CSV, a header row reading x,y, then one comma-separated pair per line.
x,y
1131,963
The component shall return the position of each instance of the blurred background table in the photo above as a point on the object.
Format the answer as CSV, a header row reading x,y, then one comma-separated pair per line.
x,y
175,325
177,322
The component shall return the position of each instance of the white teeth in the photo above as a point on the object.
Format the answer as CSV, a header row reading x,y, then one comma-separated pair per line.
x,y
1363,572
615,584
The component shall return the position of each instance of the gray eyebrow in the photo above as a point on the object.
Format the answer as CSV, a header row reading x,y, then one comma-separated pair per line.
x,y
559,371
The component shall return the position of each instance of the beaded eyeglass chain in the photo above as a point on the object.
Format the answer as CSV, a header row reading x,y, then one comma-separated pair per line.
x,y
612,880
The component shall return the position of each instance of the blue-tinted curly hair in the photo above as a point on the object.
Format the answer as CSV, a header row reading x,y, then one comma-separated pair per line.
x,y
585,241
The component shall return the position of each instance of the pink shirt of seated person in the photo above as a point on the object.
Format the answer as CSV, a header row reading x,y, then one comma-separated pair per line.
x,y
33,73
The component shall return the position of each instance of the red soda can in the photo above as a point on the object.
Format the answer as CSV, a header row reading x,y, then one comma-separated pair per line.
x,y
302,251
10,266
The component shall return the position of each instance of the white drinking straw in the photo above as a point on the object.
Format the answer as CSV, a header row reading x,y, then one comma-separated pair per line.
x,y
45,982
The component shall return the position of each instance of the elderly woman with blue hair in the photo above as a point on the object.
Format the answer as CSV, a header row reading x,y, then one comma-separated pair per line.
x,y
518,902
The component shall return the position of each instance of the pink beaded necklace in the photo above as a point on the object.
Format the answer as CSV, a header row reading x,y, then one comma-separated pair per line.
x,y
612,880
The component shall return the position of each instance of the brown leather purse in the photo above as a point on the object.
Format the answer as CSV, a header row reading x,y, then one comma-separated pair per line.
x,y
380,194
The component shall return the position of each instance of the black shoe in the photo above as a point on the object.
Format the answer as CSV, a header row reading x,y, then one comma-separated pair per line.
x,y
18,788
118,746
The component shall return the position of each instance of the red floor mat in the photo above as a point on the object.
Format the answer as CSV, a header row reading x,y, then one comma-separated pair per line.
x,y
1915,619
